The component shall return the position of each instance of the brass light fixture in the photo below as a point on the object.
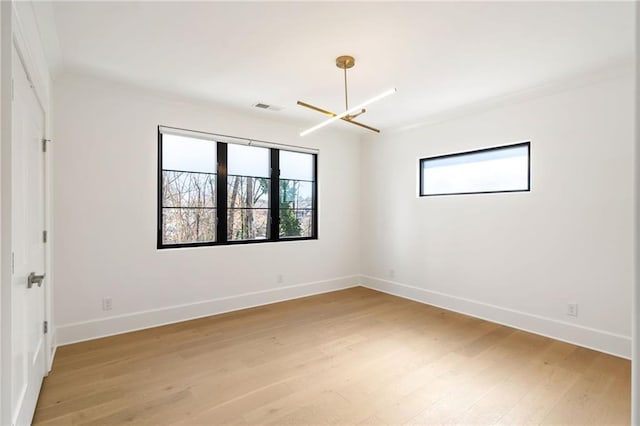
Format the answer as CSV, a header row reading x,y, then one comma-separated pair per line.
x,y
345,63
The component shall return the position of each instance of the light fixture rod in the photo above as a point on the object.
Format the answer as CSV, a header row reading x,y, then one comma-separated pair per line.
x,y
346,96
333,114
349,111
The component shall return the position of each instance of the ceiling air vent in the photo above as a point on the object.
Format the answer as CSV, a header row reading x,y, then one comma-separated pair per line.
x,y
267,106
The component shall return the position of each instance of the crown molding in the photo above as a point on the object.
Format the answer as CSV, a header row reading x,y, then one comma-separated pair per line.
x,y
612,71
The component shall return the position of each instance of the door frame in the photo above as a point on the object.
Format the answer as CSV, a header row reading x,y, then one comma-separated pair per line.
x,y
14,35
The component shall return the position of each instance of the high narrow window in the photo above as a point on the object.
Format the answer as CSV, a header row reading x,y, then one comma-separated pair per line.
x,y
213,191
501,169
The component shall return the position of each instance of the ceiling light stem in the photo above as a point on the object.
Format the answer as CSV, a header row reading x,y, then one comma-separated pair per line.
x,y
346,97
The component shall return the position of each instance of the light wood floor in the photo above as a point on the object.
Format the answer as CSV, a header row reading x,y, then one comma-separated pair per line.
x,y
349,357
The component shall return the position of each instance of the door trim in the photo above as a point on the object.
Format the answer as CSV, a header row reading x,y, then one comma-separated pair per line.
x,y
22,413
6,53
14,35
38,75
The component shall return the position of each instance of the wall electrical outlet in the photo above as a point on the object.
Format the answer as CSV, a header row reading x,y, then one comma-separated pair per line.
x,y
107,304
572,309
280,278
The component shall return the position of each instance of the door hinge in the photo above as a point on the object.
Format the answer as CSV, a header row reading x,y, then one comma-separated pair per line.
x,y
44,236
46,327
44,144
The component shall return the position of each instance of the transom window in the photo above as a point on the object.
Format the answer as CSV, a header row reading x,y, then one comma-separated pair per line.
x,y
213,192
500,169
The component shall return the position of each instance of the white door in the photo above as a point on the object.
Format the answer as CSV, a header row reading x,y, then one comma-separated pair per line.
x,y
28,219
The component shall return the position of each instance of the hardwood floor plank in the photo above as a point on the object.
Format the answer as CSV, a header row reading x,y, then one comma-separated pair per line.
x,y
355,356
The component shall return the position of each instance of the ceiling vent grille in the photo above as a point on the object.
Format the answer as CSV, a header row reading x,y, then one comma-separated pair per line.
x,y
267,106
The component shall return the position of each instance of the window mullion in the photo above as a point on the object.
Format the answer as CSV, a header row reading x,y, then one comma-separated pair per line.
x,y
160,192
221,193
314,198
274,196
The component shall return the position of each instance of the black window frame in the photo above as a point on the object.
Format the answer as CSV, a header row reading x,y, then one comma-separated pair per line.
x,y
459,154
221,200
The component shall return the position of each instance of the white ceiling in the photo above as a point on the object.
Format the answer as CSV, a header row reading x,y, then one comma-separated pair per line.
x,y
439,55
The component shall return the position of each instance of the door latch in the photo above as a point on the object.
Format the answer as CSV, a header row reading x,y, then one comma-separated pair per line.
x,y
34,279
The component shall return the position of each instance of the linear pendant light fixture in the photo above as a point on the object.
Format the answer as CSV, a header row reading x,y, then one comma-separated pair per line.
x,y
344,63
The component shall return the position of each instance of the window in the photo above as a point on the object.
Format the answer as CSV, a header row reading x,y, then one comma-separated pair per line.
x,y
188,190
501,169
248,186
296,194
212,190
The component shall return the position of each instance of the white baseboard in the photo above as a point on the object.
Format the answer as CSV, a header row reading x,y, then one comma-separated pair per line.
x,y
603,341
89,330
51,357
599,340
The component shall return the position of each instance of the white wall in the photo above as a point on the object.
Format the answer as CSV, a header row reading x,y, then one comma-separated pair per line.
x,y
105,216
515,258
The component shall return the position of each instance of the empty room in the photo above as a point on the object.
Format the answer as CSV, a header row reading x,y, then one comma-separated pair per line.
x,y
308,213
